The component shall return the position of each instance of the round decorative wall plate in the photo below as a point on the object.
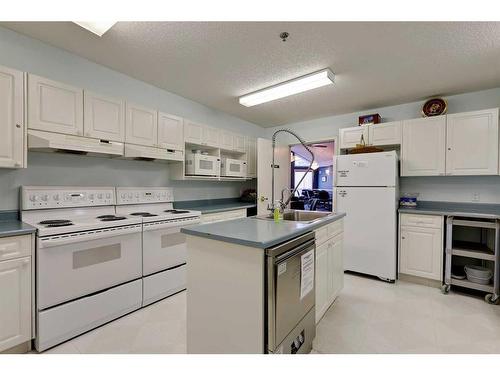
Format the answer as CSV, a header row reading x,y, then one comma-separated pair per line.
x,y
434,107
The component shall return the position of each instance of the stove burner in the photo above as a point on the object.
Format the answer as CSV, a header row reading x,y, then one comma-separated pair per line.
x,y
50,222
106,216
113,218
58,225
143,214
176,211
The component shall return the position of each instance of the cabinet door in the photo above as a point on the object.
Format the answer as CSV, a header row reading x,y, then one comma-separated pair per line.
x,y
384,134
239,143
54,106
11,118
421,252
211,136
170,131
141,125
227,140
350,137
104,117
193,133
321,280
423,150
251,144
335,267
472,143
15,302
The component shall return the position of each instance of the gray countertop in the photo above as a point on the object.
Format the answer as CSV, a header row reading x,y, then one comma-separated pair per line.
x,y
10,225
479,210
207,206
257,233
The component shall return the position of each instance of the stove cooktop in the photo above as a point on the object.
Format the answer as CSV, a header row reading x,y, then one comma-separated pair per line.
x,y
56,223
174,211
143,214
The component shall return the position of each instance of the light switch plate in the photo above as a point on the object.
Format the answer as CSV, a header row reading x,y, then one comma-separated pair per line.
x,y
476,197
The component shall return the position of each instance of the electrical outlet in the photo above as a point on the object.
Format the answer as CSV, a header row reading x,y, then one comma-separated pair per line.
x,y
476,197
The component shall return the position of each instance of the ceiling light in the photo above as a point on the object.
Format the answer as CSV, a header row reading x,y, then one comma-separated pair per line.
x,y
98,28
308,82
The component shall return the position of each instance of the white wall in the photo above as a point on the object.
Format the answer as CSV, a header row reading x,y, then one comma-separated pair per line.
x,y
27,54
452,189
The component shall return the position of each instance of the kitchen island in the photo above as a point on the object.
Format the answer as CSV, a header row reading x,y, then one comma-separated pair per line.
x,y
235,303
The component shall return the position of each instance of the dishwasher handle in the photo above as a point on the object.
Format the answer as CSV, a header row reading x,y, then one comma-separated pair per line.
x,y
289,254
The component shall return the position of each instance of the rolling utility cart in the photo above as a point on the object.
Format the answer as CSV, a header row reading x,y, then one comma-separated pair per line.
x,y
472,241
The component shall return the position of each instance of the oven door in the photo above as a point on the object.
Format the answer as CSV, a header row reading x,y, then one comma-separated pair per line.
x,y
72,267
164,246
289,298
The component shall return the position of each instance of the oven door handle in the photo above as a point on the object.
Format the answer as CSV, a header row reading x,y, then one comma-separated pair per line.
x,y
172,224
289,254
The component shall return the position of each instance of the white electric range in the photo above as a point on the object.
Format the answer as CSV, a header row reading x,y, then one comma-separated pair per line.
x,y
88,260
164,246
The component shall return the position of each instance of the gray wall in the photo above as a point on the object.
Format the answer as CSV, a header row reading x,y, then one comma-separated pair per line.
x,y
452,189
27,54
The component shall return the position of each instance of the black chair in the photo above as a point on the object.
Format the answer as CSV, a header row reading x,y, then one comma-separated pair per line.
x,y
325,201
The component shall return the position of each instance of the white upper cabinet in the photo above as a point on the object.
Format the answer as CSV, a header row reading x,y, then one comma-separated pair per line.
x,y
11,118
350,137
239,143
423,150
193,132
251,149
54,106
104,117
141,125
386,133
472,143
211,136
170,131
227,140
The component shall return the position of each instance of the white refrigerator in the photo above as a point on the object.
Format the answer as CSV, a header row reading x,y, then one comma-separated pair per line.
x,y
367,191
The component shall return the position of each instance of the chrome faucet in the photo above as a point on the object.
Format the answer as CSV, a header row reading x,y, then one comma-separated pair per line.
x,y
282,203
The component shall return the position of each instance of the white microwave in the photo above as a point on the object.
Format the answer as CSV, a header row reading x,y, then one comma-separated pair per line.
x,y
233,168
202,165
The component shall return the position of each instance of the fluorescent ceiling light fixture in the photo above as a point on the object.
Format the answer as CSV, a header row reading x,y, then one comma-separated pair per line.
x,y
97,27
305,83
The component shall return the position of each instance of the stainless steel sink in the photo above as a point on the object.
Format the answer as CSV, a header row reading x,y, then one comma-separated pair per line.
x,y
298,216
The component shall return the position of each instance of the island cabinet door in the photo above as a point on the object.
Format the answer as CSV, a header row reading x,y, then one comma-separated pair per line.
x,y
335,267
423,150
472,143
321,280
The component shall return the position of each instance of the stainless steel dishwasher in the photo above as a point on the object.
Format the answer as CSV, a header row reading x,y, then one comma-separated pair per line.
x,y
290,323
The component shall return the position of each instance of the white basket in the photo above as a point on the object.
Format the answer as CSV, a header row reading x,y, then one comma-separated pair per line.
x,y
478,275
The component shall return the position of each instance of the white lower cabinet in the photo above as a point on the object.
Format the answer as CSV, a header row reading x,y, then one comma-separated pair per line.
x,y
421,247
15,302
329,266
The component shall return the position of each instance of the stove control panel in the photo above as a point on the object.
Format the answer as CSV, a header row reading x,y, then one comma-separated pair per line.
x,y
143,195
36,197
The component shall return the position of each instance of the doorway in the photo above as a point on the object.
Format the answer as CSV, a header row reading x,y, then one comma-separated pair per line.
x,y
315,192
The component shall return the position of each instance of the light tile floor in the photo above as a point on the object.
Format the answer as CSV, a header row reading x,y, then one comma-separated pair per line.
x,y
369,316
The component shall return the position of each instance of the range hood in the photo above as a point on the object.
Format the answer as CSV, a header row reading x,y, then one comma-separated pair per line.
x,y
54,142
152,153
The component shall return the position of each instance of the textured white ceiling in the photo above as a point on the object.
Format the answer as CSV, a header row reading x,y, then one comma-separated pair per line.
x,y
376,64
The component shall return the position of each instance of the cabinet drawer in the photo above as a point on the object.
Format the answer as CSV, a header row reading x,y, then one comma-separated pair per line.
x,y
321,235
15,247
335,228
426,221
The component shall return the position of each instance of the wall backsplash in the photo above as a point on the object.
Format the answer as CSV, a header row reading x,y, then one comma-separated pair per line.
x,y
453,188
47,169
